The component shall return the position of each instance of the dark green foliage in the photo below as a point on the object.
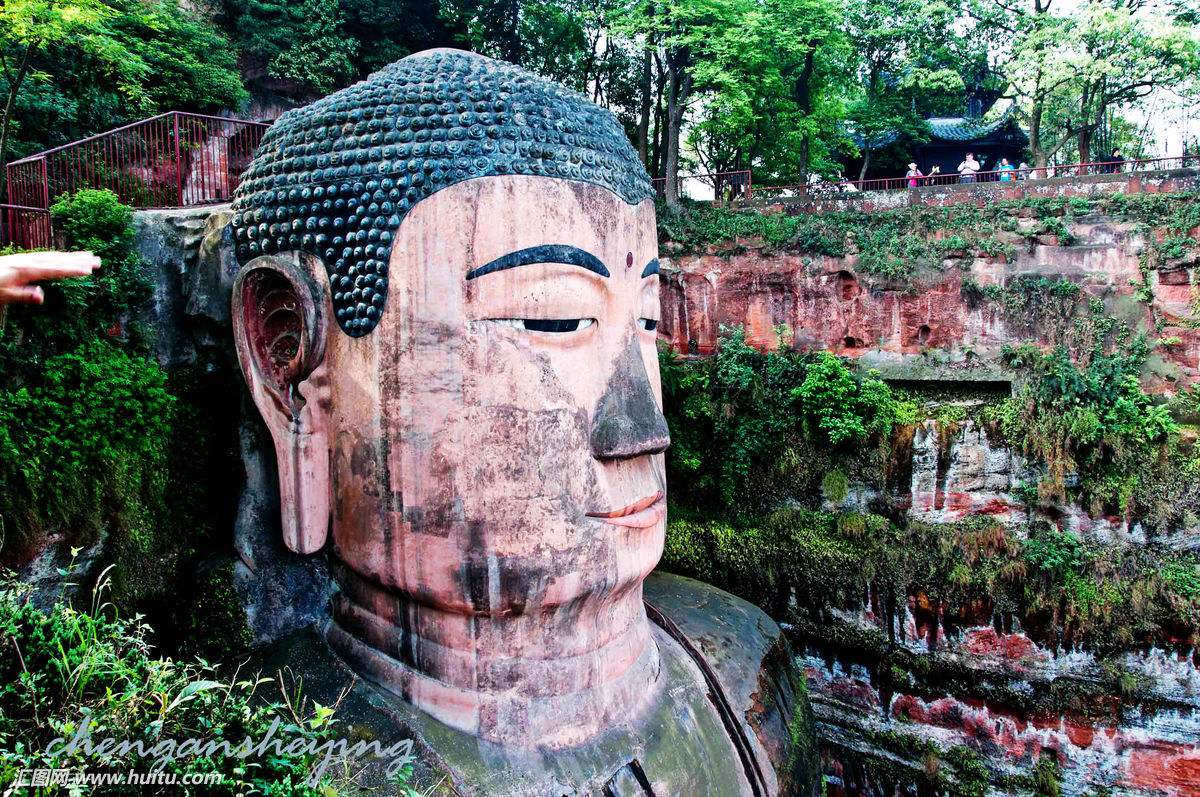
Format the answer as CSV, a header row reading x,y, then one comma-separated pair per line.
x,y
119,61
1054,553
95,436
86,446
84,416
306,49
60,667
303,43
750,428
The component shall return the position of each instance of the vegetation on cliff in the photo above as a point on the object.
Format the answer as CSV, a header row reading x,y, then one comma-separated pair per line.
x,y
1081,412
95,435
766,444
750,429
906,243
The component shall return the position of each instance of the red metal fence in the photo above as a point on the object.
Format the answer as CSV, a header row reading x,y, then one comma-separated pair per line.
x,y
25,227
828,188
175,159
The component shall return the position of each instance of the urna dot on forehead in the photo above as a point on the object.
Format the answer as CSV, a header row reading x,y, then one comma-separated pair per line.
x,y
336,178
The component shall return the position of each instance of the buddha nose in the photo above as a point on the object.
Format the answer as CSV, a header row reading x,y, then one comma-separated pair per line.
x,y
627,421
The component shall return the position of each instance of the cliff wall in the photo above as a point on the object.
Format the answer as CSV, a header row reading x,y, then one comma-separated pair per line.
x,y
974,290
935,289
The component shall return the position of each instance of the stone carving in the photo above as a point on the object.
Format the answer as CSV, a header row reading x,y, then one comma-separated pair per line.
x,y
337,177
486,467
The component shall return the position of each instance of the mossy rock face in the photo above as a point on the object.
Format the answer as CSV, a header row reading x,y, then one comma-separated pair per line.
x,y
752,662
218,630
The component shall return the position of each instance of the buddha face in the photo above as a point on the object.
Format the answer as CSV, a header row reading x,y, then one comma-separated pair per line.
x,y
494,446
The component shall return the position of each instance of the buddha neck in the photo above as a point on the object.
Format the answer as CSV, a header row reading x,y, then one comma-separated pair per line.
x,y
551,677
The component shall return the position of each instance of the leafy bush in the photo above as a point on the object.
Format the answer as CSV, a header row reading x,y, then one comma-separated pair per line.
x,y
61,668
1083,415
750,428
843,405
1055,553
95,220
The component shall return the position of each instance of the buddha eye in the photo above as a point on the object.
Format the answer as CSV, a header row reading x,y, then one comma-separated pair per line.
x,y
546,324
648,324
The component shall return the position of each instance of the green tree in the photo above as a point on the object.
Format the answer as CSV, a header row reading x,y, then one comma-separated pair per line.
x,y
775,95
1066,70
76,67
303,45
28,28
904,56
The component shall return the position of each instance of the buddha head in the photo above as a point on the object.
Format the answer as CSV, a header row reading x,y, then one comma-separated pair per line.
x,y
446,315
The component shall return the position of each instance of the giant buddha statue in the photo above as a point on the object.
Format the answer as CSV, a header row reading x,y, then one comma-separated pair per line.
x,y
446,314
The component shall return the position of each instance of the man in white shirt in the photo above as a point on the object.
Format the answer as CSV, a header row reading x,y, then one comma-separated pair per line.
x,y
968,169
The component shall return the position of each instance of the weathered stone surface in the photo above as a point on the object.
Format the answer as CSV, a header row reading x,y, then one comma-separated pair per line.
x,y
930,329
752,661
676,747
1150,750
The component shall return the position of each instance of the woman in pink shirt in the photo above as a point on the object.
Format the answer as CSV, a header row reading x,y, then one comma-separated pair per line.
x,y
914,175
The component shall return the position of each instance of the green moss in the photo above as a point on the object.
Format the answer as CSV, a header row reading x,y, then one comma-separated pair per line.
x,y
835,487
218,628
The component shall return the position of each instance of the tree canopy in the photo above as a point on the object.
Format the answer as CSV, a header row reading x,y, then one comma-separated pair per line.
x,y
788,88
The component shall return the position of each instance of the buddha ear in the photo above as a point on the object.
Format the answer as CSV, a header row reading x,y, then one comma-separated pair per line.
x,y
280,327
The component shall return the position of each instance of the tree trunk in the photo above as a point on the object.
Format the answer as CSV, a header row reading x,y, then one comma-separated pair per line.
x,y
677,95
14,88
802,94
1083,137
659,114
862,173
1035,139
643,128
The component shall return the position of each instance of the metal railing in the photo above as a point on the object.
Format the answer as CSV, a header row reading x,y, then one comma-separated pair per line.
x,y
175,159
724,186
819,189
25,227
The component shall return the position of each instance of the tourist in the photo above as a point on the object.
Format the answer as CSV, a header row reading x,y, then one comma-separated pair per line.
x,y
968,169
1115,163
19,272
914,175
1023,171
1006,171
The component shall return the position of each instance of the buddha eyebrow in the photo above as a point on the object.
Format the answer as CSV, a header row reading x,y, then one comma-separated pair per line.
x,y
651,268
545,253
